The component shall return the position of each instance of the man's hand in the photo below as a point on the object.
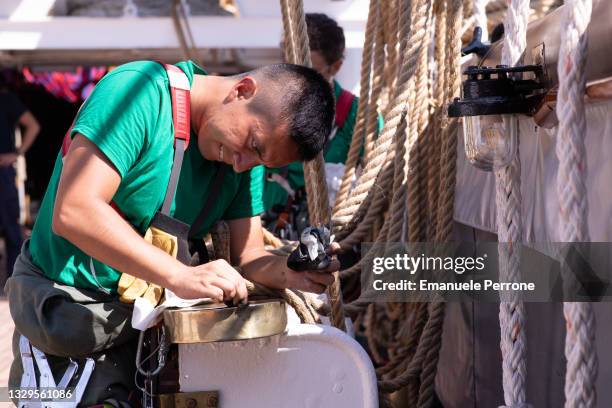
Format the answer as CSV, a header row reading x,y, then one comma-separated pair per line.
x,y
7,159
315,281
216,280
258,265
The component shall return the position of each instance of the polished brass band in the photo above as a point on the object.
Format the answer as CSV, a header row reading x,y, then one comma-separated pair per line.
x,y
217,322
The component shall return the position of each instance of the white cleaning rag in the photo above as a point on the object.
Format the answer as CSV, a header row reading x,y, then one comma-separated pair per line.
x,y
145,315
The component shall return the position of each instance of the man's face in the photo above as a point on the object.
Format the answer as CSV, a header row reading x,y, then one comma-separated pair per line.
x,y
236,134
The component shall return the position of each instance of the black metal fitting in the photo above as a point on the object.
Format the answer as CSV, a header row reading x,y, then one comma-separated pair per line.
x,y
476,46
500,90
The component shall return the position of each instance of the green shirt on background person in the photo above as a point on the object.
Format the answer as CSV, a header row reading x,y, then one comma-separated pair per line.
x,y
128,117
336,152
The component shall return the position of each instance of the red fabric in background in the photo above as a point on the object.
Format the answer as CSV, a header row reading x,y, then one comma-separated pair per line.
x,y
72,86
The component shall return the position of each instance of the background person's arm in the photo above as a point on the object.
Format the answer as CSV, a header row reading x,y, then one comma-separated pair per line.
x,y
83,216
30,130
248,252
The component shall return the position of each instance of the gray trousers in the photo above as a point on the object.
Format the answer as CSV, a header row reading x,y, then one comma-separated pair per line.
x,y
64,321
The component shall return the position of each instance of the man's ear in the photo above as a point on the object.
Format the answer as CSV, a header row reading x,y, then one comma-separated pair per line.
x,y
335,67
246,88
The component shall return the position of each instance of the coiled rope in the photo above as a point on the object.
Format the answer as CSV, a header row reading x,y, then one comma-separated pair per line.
x,y
407,182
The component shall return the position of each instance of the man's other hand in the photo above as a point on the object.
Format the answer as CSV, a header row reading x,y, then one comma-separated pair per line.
x,y
316,281
216,280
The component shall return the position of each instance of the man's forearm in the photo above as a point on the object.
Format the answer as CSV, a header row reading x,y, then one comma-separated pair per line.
x,y
267,269
97,229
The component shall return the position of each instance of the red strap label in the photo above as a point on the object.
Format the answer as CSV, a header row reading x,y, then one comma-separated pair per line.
x,y
181,104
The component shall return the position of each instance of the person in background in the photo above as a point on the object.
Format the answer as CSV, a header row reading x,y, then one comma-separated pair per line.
x,y
284,188
12,113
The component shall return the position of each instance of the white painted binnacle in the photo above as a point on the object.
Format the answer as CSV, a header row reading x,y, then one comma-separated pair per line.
x,y
309,366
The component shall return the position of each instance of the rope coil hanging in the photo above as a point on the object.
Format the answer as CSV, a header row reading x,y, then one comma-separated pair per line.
x,y
365,85
399,191
413,350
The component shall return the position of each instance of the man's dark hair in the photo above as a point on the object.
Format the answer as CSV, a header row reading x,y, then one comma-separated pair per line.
x,y
325,36
305,100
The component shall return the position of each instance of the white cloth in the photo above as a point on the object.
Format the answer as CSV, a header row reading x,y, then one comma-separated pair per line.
x,y
475,189
469,369
145,315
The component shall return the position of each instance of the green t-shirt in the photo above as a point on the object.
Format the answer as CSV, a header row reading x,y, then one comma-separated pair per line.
x,y
128,117
336,152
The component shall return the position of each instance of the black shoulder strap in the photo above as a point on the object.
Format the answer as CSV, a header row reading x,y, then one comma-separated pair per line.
x,y
213,192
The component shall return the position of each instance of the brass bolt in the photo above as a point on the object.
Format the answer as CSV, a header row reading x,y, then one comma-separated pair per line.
x,y
191,403
212,401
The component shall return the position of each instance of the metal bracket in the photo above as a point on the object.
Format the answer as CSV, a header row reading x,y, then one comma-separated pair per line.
x,y
500,90
199,399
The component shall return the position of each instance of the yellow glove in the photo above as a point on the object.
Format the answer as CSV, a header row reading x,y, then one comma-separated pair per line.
x,y
130,287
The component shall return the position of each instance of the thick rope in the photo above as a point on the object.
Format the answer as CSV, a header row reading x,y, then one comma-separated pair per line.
x,y
391,24
371,128
300,306
452,80
397,212
582,363
413,369
453,12
365,84
294,23
362,221
439,115
509,224
381,194
289,41
370,330
393,118
314,170
367,257
417,173
411,43
430,364
411,336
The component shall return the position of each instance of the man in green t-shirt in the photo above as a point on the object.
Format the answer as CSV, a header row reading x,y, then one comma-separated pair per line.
x,y
327,44
112,180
